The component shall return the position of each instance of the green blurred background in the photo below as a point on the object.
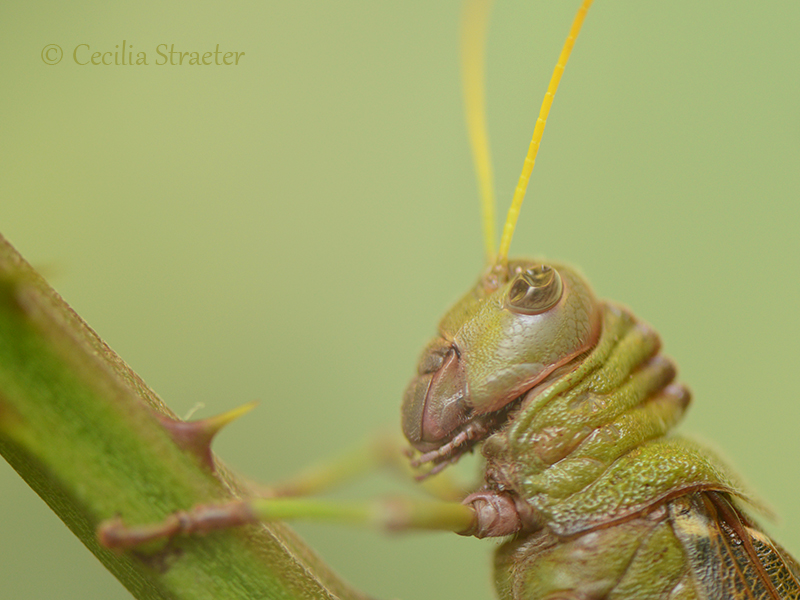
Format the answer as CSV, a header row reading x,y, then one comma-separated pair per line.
x,y
290,229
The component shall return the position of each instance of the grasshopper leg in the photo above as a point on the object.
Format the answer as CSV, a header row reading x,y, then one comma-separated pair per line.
x,y
381,451
393,514
286,501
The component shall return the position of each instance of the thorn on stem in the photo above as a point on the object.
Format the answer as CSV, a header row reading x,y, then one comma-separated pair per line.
x,y
196,436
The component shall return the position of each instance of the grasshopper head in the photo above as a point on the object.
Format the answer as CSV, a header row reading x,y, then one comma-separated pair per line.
x,y
499,341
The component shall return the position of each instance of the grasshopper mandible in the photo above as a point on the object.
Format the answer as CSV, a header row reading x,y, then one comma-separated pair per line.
x,y
572,403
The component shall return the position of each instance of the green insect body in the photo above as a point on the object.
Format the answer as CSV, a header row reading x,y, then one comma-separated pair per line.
x,y
573,404
608,503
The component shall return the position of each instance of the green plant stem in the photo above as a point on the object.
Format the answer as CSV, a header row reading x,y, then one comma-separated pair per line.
x,y
87,434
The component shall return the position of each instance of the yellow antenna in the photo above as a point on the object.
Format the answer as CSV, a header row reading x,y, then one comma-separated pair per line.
x,y
533,149
474,25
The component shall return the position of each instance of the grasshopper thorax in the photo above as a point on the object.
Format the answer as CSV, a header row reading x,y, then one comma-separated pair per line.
x,y
501,339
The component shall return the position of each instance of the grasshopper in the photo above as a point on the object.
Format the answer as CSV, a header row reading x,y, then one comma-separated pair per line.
x,y
572,403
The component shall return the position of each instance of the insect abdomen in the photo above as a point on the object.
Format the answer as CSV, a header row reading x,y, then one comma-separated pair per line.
x,y
638,559
696,546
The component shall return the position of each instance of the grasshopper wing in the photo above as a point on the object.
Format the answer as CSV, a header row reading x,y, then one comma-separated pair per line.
x,y
727,554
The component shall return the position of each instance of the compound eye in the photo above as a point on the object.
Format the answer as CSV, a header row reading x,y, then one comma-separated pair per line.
x,y
535,290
